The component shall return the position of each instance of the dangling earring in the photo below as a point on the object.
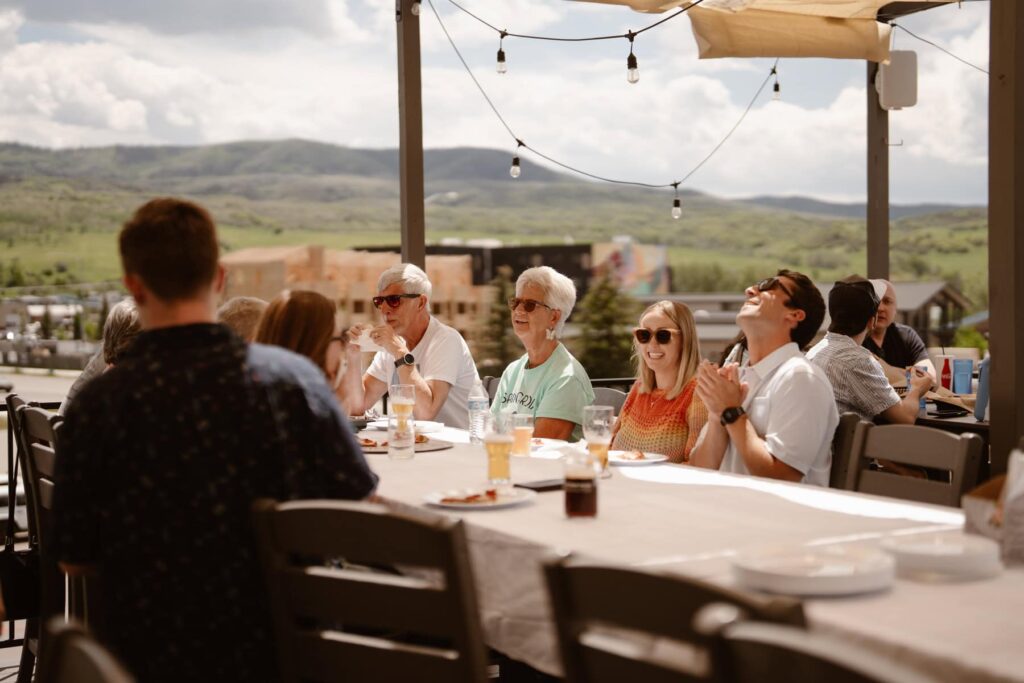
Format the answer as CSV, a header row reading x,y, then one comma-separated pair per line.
x,y
550,333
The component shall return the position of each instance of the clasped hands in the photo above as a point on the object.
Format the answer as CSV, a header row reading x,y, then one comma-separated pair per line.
x,y
720,387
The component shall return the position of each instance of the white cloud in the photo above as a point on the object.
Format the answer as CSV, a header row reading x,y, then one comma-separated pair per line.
x,y
10,22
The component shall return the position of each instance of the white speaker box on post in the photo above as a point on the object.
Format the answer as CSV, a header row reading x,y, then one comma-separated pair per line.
x,y
896,81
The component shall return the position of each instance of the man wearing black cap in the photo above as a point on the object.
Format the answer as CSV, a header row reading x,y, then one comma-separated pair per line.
x,y
858,381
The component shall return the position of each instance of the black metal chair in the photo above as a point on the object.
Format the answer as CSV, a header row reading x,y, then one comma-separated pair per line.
x,y
73,656
354,624
609,618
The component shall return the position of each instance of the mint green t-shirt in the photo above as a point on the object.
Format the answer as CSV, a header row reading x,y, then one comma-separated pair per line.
x,y
559,389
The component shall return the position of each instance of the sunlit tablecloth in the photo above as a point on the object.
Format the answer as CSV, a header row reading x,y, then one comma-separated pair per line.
x,y
690,521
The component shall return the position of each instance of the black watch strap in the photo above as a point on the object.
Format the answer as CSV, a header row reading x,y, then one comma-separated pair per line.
x,y
407,359
730,415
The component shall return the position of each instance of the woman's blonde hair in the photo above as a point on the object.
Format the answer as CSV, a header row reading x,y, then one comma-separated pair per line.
x,y
689,349
300,321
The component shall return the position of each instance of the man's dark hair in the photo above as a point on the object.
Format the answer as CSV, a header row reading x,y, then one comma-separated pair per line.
x,y
851,304
807,298
171,245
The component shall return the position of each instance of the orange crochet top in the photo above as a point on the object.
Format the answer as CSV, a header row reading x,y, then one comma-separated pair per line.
x,y
651,423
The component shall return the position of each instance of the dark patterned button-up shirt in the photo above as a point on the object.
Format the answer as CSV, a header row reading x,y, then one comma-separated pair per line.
x,y
159,461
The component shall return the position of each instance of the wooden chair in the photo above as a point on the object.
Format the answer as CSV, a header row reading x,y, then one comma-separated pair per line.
x,y
357,625
75,657
589,599
39,435
744,651
603,396
844,447
919,447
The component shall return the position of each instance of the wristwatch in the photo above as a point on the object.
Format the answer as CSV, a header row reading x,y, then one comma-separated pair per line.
x,y
730,415
407,359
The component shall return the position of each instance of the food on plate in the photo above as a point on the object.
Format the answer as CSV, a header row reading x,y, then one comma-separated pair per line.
x,y
633,455
367,443
487,496
420,438
537,442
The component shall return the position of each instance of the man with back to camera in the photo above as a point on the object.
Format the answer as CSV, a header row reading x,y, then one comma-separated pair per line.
x,y
857,379
418,349
161,457
897,344
776,416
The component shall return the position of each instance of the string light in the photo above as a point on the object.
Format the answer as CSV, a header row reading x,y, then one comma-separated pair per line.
x,y
415,9
501,53
940,48
515,170
776,90
632,70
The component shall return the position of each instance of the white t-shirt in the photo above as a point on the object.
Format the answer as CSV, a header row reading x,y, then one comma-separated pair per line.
x,y
441,354
791,406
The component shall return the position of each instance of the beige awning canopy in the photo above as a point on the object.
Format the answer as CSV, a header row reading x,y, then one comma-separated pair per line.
x,y
840,29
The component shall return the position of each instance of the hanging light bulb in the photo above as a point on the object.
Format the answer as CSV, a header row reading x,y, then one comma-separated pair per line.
x,y
515,170
502,68
776,94
677,210
632,70
415,9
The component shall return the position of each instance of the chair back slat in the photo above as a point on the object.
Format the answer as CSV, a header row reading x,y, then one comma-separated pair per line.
x,y
844,446
349,625
606,396
589,599
604,666
317,593
14,406
74,657
958,454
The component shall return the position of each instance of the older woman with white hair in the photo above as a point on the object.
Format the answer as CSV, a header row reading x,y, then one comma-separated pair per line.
x,y
547,381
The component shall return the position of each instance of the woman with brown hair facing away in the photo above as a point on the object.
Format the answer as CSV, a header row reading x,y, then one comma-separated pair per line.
x,y
662,414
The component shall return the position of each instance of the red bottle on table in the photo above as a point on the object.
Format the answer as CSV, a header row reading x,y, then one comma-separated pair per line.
x,y
947,375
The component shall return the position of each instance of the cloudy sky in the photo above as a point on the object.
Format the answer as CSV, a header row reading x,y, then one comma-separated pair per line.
x,y
97,72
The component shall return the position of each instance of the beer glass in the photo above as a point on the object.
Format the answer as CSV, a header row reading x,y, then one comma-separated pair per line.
x,y
403,398
597,430
401,438
498,442
580,484
522,432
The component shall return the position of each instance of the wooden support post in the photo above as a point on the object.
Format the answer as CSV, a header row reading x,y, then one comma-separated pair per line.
x,y
410,139
878,181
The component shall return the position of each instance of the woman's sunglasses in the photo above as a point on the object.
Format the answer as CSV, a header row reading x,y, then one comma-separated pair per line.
x,y
662,336
529,305
393,300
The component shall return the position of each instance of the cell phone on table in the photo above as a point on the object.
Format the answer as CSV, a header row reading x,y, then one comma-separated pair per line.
x,y
542,484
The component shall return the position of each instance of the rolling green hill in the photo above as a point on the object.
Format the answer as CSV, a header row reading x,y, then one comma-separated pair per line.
x,y
60,210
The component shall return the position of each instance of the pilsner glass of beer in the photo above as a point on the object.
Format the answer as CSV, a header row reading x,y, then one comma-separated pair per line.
x,y
403,398
498,442
597,430
581,484
522,432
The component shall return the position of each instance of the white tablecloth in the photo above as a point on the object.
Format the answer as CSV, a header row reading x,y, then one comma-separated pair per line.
x,y
681,519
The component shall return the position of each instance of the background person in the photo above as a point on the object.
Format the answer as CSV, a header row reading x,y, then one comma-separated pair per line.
x,y
547,382
162,456
418,349
242,314
776,416
119,330
306,323
662,414
895,343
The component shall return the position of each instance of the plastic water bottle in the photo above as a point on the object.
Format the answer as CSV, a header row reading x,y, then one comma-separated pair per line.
x,y
981,402
479,405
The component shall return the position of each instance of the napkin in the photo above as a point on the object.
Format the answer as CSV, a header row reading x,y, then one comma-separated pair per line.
x,y
366,344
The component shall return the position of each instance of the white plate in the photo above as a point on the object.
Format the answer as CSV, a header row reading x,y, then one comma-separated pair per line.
x,y
507,497
815,570
422,426
538,444
616,458
954,555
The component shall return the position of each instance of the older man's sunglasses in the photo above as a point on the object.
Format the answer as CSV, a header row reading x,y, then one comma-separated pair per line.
x,y
393,300
529,305
662,336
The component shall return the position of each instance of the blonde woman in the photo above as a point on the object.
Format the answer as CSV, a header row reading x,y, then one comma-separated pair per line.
x,y
662,414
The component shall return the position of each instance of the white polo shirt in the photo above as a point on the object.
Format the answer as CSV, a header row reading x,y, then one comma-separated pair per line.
x,y
791,406
441,354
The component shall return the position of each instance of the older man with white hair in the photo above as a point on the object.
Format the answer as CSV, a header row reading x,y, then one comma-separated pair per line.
x,y
417,349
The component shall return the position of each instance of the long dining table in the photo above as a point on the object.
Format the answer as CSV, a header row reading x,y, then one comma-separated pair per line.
x,y
692,522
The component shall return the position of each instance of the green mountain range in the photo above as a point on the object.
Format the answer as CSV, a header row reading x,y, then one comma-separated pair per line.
x,y
59,211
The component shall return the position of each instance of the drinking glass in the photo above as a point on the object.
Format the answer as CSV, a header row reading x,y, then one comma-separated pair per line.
x,y
597,430
401,438
522,426
580,484
403,398
498,442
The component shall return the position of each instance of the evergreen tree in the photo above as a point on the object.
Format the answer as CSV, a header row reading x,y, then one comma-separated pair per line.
x,y
46,324
104,310
77,326
605,317
496,344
